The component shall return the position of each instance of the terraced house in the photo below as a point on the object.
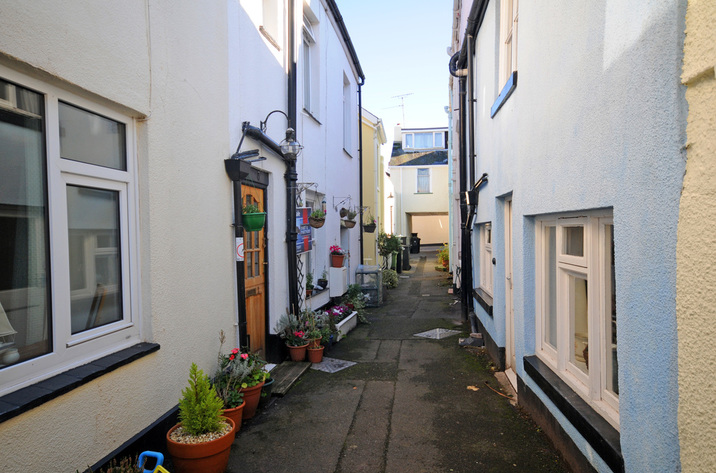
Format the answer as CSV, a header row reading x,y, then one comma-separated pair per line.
x,y
572,147
123,246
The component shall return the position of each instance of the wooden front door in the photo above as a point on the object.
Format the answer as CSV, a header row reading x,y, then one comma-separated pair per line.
x,y
254,276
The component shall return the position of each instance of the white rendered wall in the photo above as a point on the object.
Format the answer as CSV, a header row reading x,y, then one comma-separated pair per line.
x,y
166,64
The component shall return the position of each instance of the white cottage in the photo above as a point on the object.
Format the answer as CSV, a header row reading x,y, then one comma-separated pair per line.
x,y
119,249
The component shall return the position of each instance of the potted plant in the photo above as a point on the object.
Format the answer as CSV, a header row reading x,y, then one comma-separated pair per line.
x,y
350,222
227,382
444,256
291,329
254,374
323,280
309,284
253,218
369,226
388,245
201,442
343,212
337,256
317,218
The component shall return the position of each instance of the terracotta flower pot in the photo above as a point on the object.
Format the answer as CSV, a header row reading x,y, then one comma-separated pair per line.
x,y
314,343
251,399
297,353
315,355
236,414
337,261
207,457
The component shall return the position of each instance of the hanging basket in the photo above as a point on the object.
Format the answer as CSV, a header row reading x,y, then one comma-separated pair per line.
x,y
316,222
349,223
370,228
253,222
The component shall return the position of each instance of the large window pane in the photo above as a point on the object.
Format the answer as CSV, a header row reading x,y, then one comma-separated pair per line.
x,y
551,290
95,275
91,138
579,323
423,140
24,255
612,368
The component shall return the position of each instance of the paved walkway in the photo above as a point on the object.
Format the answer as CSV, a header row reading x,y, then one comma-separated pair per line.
x,y
407,405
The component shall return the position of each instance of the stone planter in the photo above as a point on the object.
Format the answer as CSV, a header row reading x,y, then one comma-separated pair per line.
x,y
346,325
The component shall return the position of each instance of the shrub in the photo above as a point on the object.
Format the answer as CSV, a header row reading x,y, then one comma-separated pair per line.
x,y
390,278
200,408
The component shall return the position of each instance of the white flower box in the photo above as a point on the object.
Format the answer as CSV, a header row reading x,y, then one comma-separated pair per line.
x,y
346,325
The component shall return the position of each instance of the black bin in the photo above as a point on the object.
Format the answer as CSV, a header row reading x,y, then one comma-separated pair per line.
x,y
414,243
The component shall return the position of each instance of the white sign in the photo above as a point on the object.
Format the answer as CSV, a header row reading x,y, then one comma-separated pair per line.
x,y
239,248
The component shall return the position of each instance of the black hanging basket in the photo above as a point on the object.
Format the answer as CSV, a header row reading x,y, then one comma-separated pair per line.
x,y
370,228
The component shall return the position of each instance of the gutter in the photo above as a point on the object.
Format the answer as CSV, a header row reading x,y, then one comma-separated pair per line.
x,y
346,37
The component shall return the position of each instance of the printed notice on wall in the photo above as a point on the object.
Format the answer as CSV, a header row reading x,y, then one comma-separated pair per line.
x,y
239,248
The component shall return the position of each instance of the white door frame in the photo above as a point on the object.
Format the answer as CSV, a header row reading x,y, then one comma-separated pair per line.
x,y
510,364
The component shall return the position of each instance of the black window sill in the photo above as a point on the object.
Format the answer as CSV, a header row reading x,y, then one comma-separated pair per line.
x,y
22,400
507,90
593,427
484,299
313,117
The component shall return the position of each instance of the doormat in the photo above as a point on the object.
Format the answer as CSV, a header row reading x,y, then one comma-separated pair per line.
x,y
437,333
332,365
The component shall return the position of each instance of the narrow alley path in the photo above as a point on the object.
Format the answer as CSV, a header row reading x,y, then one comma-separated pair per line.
x,y
404,406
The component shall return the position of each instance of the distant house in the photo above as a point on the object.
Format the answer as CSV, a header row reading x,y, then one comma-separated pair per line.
x,y
419,173
577,117
122,254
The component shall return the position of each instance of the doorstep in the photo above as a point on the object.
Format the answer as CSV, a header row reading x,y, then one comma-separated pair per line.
x,y
286,374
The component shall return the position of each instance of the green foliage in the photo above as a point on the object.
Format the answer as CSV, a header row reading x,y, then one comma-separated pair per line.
x,y
444,255
354,299
318,214
351,215
124,465
200,408
387,244
390,278
309,281
251,209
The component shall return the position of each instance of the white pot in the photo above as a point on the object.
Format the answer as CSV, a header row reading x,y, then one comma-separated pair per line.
x,y
346,325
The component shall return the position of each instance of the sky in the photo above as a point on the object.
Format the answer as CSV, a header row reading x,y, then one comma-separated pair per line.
x,y
402,47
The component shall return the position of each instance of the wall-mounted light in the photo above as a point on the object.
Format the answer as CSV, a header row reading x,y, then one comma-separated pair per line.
x,y
289,146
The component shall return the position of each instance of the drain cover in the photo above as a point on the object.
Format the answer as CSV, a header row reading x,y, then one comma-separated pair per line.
x,y
437,333
332,365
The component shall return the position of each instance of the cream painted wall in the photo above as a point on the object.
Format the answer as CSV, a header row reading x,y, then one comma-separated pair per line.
x,y
696,247
408,202
165,63
431,229
373,193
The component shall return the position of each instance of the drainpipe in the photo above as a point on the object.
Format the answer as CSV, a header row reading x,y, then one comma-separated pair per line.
x,y
465,254
291,175
360,164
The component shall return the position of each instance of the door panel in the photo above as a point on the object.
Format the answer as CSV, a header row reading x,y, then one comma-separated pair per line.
x,y
254,276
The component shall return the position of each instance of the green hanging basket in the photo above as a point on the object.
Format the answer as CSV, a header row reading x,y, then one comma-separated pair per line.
x,y
253,222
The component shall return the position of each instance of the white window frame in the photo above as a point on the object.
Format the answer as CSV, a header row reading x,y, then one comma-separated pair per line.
x,y
409,140
486,267
417,180
68,350
592,267
311,64
347,122
272,22
509,15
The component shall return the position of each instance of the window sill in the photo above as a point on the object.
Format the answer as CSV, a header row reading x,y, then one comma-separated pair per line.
x,y
347,153
22,400
270,39
312,116
507,90
593,427
423,193
484,299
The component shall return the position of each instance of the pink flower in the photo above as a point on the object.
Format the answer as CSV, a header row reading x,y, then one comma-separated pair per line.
x,y
244,356
231,357
235,351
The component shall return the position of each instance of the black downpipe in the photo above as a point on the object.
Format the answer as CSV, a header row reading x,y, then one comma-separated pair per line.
x,y
291,175
466,259
240,276
360,164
